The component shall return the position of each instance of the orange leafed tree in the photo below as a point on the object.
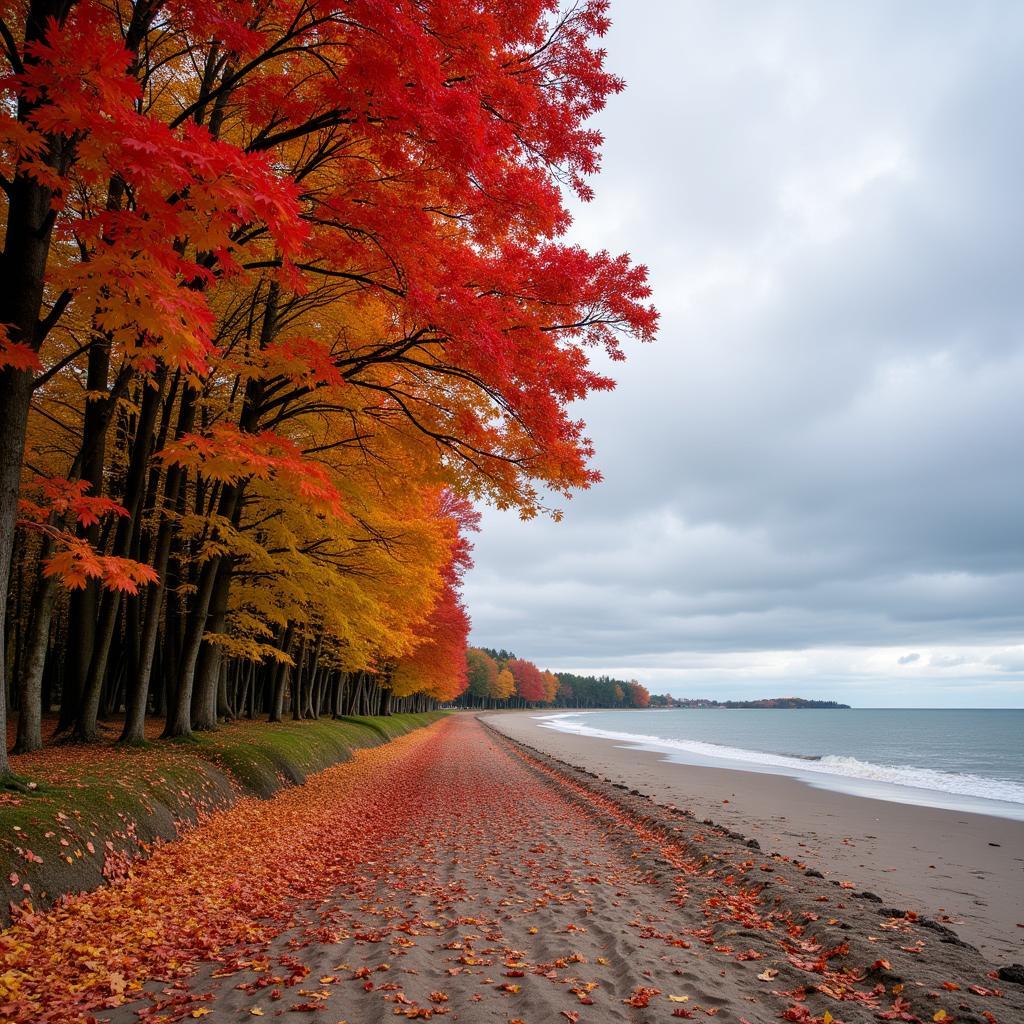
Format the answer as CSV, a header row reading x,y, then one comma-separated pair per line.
x,y
550,686
257,286
638,695
505,685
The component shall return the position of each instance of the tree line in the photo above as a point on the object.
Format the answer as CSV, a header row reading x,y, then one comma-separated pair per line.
x,y
285,297
498,679
665,700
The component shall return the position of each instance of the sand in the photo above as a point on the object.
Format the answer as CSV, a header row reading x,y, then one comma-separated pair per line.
x,y
965,869
488,883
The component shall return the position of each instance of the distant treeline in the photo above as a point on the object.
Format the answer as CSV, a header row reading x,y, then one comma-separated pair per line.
x,y
664,700
498,679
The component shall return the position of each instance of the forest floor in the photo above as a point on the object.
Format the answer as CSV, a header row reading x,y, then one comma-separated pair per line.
x,y
453,874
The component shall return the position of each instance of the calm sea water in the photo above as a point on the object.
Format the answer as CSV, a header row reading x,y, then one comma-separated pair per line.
x,y
964,759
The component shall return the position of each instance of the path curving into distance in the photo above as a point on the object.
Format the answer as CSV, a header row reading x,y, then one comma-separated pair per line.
x,y
451,874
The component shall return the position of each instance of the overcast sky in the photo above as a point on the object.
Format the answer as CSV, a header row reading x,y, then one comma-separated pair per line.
x,y
813,477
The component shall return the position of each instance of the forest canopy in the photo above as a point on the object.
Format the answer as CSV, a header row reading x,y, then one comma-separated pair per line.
x,y
287,295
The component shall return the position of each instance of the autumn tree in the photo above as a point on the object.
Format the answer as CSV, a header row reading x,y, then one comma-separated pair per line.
x,y
504,686
270,324
550,686
565,689
437,664
637,695
482,673
77,250
529,680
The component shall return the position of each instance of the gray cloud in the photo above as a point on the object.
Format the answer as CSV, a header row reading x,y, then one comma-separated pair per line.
x,y
822,449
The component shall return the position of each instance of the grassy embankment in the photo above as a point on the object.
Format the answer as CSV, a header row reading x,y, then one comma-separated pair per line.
x,y
87,812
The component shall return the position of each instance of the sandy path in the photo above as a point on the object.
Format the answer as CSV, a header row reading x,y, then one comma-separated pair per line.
x,y
464,878
503,894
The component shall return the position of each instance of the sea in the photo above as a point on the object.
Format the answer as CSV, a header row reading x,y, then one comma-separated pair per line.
x,y
967,760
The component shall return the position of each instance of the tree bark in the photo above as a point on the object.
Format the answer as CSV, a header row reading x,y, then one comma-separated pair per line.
x,y
204,702
30,683
179,716
124,538
281,677
138,688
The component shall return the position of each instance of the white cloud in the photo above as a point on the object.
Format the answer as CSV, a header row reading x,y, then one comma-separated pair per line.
x,y
821,451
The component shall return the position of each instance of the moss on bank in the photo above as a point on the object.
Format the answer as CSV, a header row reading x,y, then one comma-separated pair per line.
x,y
87,812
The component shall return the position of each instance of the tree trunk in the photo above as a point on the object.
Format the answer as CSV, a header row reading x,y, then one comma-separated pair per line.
x,y
15,396
179,715
30,682
252,694
124,536
299,681
280,677
224,707
312,709
138,689
79,703
204,703
29,229
355,704
179,722
341,684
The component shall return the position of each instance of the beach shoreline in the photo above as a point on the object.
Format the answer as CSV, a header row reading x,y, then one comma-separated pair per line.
x,y
962,868
455,872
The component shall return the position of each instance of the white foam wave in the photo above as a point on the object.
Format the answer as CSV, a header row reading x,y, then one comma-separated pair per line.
x,y
959,784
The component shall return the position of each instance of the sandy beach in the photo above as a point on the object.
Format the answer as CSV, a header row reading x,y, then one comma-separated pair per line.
x,y
967,868
455,873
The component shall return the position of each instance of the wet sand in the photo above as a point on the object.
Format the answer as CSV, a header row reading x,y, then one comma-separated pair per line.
x,y
968,868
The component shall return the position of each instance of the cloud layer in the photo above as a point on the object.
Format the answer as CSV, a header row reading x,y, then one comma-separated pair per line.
x,y
815,472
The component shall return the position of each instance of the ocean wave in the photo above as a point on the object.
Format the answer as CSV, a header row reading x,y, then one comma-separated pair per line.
x,y
956,783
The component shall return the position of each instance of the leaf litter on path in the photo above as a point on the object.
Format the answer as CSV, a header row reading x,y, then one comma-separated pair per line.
x,y
453,875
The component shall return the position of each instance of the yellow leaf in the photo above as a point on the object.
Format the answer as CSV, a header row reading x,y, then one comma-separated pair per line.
x,y
201,1012
941,1015
828,1018
256,1011
678,999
